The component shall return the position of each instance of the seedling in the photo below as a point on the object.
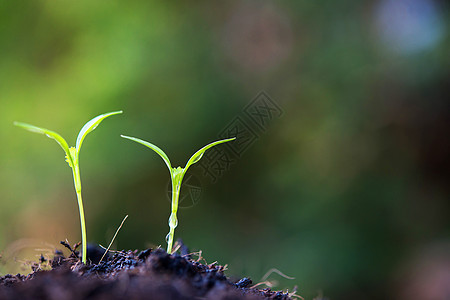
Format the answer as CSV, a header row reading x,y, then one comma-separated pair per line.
x,y
176,175
72,158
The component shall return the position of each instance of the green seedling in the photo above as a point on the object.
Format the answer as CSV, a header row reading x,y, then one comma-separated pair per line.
x,y
72,158
176,175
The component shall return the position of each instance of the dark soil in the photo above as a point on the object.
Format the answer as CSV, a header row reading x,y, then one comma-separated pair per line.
x,y
149,274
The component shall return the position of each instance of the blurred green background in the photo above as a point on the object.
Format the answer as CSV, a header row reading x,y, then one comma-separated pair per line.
x,y
347,191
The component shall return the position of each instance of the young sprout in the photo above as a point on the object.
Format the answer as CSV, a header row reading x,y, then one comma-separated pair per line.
x,y
176,175
72,158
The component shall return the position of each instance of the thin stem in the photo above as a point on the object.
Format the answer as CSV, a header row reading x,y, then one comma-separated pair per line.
x,y
173,221
170,240
77,182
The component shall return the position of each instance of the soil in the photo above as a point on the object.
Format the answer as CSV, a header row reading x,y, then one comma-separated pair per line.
x,y
148,274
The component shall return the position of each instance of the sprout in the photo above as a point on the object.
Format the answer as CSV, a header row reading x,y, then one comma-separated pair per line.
x,y
72,156
176,175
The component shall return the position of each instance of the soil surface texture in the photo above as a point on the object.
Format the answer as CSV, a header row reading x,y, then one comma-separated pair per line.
x,y
149,274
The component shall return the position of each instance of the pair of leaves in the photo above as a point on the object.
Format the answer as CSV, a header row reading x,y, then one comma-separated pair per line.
x,y
174,172
71,153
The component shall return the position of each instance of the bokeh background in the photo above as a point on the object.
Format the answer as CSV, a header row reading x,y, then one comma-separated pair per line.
x,y
347,190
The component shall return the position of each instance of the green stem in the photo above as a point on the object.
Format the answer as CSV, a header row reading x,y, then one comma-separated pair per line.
x,y
170,240
173,221
77,182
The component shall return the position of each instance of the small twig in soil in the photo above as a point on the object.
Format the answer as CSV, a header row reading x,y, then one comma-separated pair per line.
x,y
66,244
176,247
75,265
273,270
294,293
212,264
199,254
271,284
268,283
104,248
76,246
297,296
180,246
114,237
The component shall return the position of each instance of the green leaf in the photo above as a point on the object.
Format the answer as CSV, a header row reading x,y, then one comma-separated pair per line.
x,y
199,154
154,148
51,134
90,126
